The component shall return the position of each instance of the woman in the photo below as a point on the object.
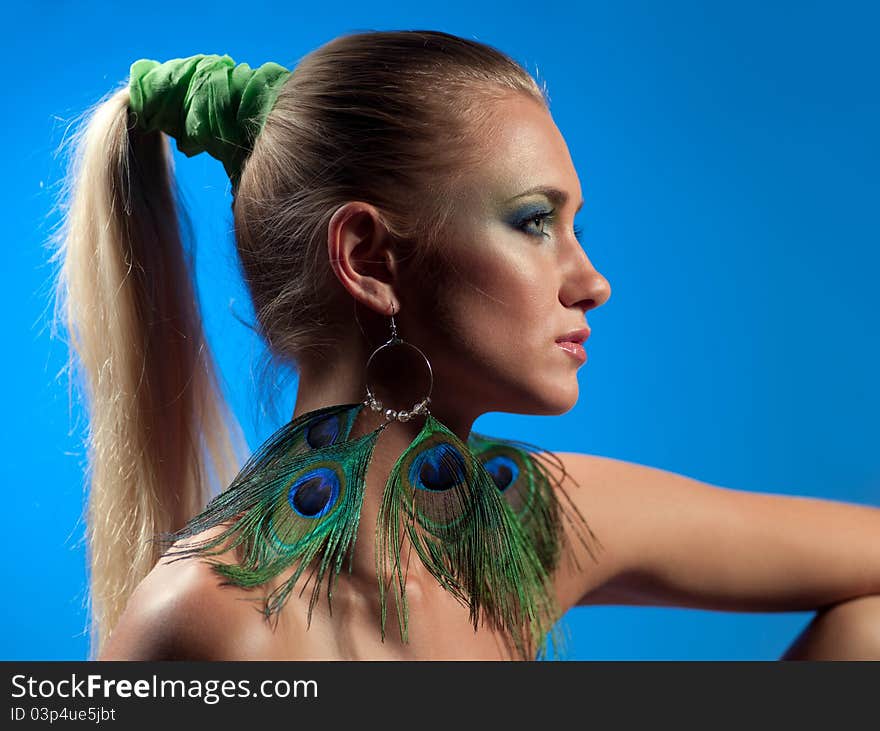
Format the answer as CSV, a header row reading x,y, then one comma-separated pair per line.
x,y
410,181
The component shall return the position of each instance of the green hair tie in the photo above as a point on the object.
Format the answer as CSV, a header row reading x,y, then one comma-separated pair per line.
x,y
207,103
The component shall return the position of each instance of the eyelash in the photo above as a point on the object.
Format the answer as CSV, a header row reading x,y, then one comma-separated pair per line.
x,y
543,216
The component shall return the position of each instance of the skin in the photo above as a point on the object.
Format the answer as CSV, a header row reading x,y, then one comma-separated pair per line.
x,y
507,289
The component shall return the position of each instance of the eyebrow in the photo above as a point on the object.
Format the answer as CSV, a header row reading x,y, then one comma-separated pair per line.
x,y
556,196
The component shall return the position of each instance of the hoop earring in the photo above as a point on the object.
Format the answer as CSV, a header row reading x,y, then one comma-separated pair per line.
x,y
374,404
483,517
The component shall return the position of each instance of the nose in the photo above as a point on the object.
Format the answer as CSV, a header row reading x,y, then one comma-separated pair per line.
x,y
583,286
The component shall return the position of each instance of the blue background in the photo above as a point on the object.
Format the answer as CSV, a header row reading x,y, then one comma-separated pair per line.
x,y
729,162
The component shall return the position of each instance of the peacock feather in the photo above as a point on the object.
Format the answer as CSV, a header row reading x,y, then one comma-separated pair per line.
x,y
532,480
297,499
441,497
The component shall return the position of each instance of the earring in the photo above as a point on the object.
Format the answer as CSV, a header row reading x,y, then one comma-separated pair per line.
x,y
482,516
484,519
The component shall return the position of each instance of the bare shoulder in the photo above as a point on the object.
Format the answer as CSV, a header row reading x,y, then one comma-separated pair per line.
x,y
181,611
627,506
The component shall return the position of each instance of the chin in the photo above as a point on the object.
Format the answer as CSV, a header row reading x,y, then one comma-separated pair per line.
x,y
554,402
563,407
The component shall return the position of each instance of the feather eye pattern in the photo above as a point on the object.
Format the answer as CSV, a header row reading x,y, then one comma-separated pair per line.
x,y
526,492
531,479
442,499
297,500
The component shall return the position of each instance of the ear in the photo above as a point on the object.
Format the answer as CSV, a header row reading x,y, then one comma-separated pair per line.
x,y
362,256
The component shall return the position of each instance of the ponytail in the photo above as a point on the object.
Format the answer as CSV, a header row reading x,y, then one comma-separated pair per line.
x,y
159,428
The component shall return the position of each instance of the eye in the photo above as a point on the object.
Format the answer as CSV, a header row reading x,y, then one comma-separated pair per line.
x,y
539,219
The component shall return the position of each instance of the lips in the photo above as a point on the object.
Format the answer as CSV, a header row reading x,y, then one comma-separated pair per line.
x,y
574,349
572,343
575,336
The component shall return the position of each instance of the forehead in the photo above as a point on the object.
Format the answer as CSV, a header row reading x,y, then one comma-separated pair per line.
x,y
522,148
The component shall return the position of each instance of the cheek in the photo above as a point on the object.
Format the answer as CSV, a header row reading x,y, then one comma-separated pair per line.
x,y
495,307
490,335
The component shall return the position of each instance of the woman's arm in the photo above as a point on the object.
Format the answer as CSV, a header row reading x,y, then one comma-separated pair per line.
x,y
672,540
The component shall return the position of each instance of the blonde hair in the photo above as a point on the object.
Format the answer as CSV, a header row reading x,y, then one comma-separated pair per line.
x,y
363,117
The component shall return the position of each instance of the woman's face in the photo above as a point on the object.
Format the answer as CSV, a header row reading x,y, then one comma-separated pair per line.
x,y
514,277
